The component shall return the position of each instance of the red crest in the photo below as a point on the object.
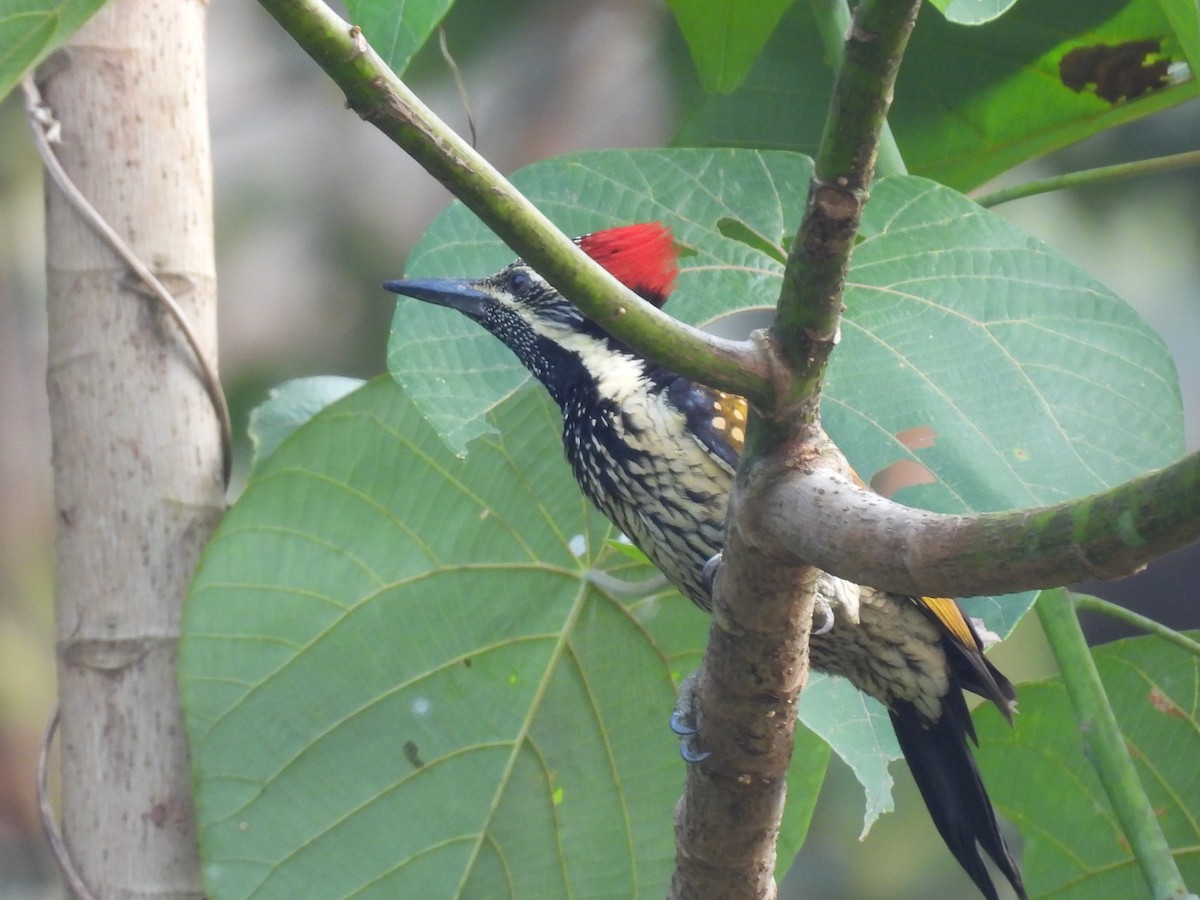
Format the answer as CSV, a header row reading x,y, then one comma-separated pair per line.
x,y
642,257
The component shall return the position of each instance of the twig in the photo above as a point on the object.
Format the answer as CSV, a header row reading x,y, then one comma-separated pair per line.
x,y
810,302
1129,617
1091,176
46,132
49,826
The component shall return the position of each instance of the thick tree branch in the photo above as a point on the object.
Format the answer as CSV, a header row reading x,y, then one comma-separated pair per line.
x,y
807,509
381,98
727,824
756,662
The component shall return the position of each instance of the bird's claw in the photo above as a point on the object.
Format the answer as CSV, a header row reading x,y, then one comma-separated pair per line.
x,y
682,724
823,618
683,721
708,575
836,599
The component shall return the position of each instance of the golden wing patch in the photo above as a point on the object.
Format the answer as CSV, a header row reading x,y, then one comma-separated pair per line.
x,y
729,419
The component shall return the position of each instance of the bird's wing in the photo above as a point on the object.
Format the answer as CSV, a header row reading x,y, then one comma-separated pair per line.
x,y
720,423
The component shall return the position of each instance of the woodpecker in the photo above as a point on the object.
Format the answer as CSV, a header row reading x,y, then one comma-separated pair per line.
x,y
656,453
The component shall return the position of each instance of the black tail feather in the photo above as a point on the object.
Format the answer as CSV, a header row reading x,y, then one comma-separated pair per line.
x,y
944,768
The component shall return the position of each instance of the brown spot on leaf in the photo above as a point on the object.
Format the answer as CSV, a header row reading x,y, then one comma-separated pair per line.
x,y
1115,71
918,438
1165,704
903,473
899,475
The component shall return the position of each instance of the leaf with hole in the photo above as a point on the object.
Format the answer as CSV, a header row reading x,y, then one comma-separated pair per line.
x,y
972,101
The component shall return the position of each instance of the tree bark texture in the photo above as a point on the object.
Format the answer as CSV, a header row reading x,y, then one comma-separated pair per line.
x,y
136,452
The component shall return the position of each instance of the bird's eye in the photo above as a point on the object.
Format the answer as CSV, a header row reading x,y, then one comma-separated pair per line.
x,y
518,281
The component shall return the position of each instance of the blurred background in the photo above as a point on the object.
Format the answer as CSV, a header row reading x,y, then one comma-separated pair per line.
x,y
315,208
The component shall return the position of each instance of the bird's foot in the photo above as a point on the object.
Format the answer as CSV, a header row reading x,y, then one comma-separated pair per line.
x,y
708,576
823,617
684,722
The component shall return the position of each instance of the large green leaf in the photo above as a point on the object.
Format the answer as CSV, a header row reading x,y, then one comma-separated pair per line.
x,y
32,29
397,30
1039,774
400,682
782,102
971,102
858,728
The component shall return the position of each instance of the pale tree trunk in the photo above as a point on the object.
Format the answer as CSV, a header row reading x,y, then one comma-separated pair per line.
x,y
136,452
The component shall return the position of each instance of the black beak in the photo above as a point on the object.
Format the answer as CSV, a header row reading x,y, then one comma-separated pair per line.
x,y
460,295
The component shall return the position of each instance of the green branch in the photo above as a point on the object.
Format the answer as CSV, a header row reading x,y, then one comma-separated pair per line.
x,y
1116,172
380,97
1106,747
833,22
810,303
1135,620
